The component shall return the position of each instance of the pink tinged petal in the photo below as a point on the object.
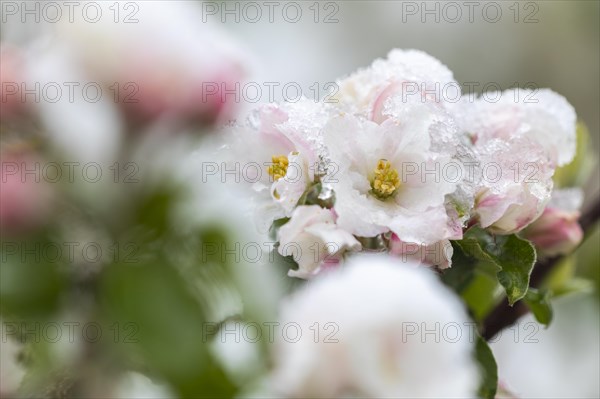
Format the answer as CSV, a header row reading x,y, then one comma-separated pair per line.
x,y
496,210
426,227
271,117
542,117
438,254
288,190
403,92
393,89
365,92
555,232
313,240
519,215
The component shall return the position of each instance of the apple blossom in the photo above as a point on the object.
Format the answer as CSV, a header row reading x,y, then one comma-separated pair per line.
x,y
370,320
438,254
382,183
541,117
314,241
277,153
515,186
411,75
557,231
522,136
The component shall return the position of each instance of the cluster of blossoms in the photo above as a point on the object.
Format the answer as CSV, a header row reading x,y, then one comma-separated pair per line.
x,y
386,167
84,92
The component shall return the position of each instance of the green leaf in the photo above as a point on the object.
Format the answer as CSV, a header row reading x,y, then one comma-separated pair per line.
x,y
512,256
482,294
167,324
539,304
517,261
152,216
489,369
276,226
31,281
474,243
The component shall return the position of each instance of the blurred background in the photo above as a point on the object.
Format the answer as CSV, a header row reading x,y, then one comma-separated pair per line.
x,y
491,46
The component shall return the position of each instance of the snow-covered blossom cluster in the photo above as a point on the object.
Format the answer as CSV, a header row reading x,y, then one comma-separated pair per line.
x,y
394,164
393,171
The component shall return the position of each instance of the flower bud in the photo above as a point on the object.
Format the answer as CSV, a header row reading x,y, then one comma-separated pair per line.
x,y
555,232
510,211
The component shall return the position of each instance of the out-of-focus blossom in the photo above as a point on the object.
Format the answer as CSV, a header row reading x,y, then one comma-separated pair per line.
x,y
503,392
136,385
11,80
438,254
314,241
381,183
371,342
25,198
84,126
11,370
558,362
557,230
158,67
211,203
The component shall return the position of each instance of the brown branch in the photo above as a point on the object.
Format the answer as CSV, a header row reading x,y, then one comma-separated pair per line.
x,y
505,315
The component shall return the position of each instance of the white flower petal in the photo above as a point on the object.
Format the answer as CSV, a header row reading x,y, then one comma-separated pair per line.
x,y
363,347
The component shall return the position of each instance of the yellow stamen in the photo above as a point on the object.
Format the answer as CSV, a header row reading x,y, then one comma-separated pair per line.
x,y
279,167
386,181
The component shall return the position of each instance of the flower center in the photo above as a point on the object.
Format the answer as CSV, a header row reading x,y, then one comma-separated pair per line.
x,y
386,181
279,167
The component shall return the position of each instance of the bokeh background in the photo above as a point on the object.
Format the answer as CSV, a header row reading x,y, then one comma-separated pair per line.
x,y
554,44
